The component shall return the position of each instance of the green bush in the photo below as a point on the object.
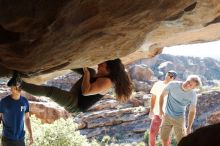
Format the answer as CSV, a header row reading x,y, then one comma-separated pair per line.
x,y
60,133
146,136
106,139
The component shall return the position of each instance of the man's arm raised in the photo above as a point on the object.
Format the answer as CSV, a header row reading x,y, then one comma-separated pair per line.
x,y
164,93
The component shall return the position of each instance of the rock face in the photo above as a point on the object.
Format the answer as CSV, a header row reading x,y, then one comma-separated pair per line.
x,y
145,72
207,68
48,112
141,73
142,77
125,122
214,118
46,36
207,104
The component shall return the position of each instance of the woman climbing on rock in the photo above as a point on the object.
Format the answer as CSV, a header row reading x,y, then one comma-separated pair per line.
x,y
89,89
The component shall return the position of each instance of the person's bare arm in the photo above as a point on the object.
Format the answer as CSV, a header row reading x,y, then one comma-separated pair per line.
x,y
191,117
152,102
164,93
99,86
0,118
28,126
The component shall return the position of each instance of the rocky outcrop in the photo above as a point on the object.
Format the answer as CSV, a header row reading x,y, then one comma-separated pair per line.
x,y
48,112
126,122
142,77
207,68
214,118
208,103
45,36
45,109
142,86
141,72
146,72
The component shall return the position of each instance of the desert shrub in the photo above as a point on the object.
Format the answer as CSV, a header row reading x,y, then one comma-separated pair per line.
x,y
106,139
146,136
60,133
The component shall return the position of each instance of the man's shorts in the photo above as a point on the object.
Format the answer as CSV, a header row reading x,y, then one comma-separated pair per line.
x,y
169,123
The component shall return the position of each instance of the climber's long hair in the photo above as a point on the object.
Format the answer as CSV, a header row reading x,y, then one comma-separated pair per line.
x,y
122,82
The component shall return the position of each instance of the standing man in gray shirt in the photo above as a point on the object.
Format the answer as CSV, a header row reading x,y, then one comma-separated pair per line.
x,y
180,95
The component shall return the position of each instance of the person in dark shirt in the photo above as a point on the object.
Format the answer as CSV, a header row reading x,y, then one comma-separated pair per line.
x,y
89,89
14,110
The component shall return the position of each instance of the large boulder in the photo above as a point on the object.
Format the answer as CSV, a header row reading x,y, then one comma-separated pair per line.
x,y
43,37
214,118
208,103
205,136
47,112
141,72
142,77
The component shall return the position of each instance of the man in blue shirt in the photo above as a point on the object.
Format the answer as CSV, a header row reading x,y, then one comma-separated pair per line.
x,y
14,110
156,91
179,96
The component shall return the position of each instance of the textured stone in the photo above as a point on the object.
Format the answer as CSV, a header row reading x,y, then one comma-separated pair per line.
x,y
141,72
214,118
208,103
47,36
207,68
47,112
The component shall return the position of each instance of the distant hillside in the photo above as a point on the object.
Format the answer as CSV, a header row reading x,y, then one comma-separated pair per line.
x,y
207,68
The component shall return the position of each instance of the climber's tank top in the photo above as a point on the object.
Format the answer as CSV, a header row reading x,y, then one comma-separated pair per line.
x,y
85,102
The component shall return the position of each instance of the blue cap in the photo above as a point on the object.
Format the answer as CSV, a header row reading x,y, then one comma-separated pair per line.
x,y
174,74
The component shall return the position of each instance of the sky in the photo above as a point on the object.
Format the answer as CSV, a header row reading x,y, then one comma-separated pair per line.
x,y
211,49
